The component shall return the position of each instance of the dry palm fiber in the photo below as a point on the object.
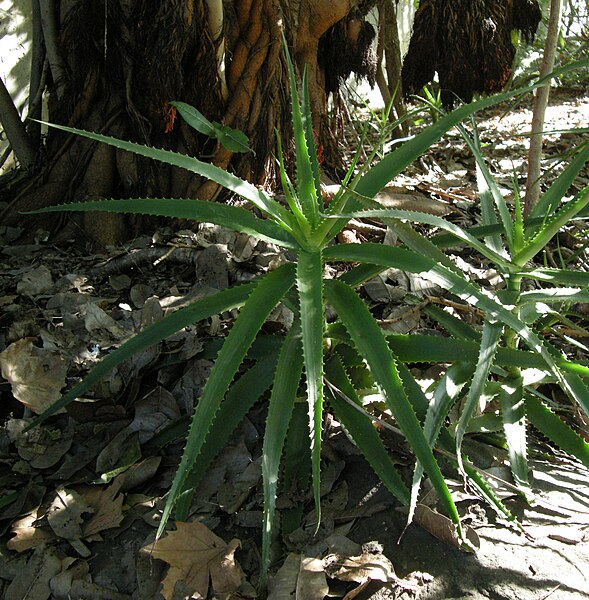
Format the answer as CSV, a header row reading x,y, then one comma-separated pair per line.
x,y
346,48
468,43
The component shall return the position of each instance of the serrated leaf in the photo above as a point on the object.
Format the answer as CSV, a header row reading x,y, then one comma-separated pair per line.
x,y
457,284
552,226
489,195
447,390
552,197
265,296
280,408
514,424
370,341
240,398
419,217
233,183
297,466
558,276
343,398
556,429
453,325
490,339
379,175
312,315
551,295
232,217
306,189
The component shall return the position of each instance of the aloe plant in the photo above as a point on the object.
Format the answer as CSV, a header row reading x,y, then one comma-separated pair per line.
x,y
509,243
303,360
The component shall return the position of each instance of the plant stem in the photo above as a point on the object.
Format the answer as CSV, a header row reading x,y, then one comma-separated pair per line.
x,y
540,103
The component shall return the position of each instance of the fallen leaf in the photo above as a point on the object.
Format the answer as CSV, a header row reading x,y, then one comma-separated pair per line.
x,y
196,556
299,578
72,570
65,514
96,318
36,281
120,453
153,412
35,374
139,473
33,581
43,447
107,508
366,567
27,534
443,528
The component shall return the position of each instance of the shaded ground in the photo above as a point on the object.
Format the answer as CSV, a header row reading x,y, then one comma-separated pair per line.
x,y
82,497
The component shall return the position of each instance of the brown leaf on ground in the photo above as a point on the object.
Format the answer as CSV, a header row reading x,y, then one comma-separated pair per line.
x,y
443,528
27,534
107,508
35,374
33,582
196,557
299,577
65,514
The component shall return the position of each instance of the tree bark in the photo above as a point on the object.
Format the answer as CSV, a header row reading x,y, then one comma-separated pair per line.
x,y
117,64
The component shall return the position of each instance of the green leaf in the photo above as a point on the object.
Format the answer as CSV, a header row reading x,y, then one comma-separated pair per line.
x,y
419,217
552,226
312,313
309,136
457,284
419,244
241,187
558,276
518,223
370,342
265,296
195,118
514,425
153,334
489,341
232,217
551,295
400,258
348,408
556,429
282,401
489,195
429,348
445,394
361,274
553,196
297,467
232,139
378,176
289,190
306,189
240,398
453,325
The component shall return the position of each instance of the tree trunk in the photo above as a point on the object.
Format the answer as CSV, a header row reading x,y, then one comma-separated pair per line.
x,y
115,65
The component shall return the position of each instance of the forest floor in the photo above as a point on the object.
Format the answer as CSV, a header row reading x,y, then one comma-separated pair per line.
x,y
82,495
